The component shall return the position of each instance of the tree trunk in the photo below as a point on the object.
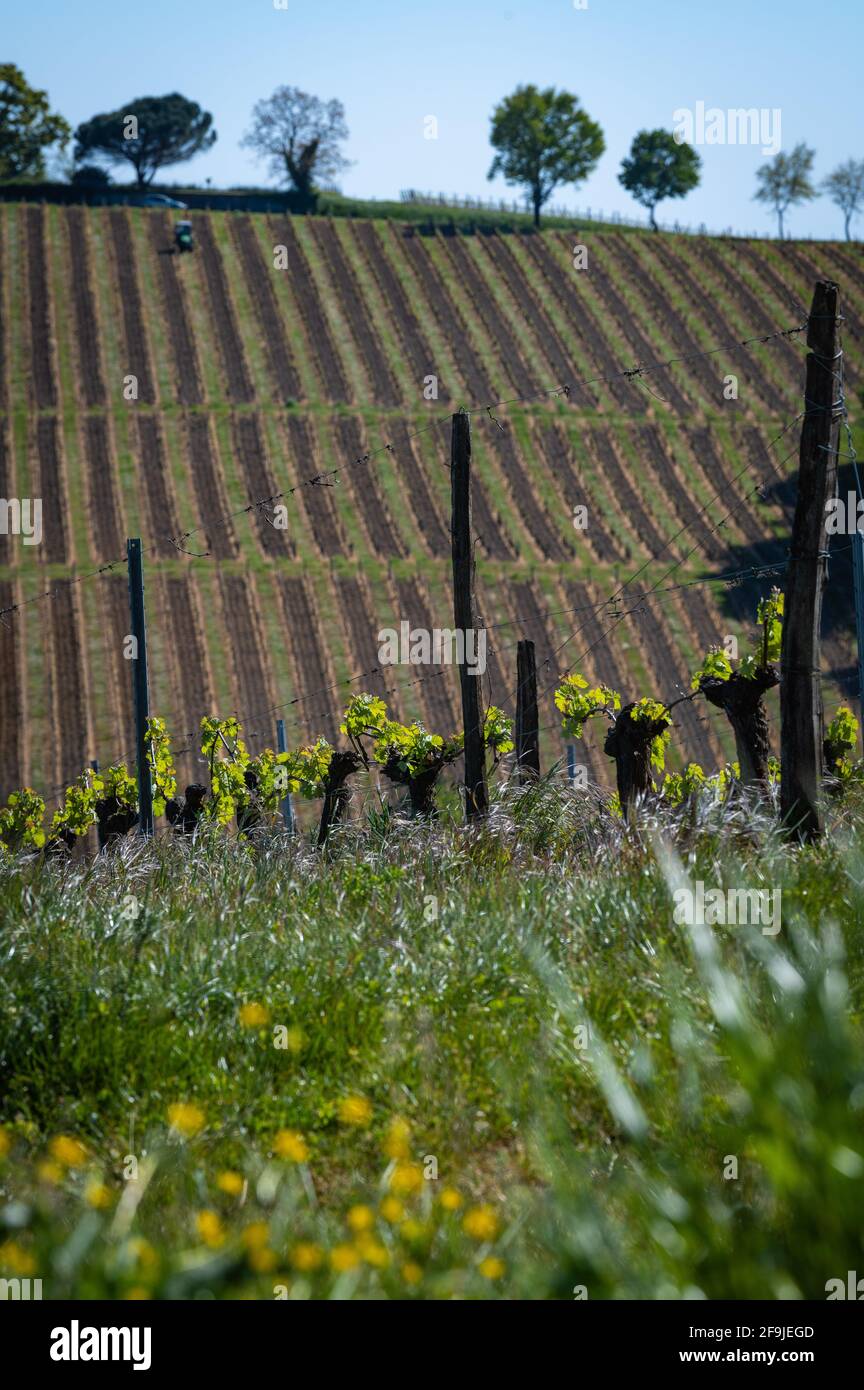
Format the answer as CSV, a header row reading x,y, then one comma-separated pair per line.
x,y
538,203
653,219
629,743
742,703
336,793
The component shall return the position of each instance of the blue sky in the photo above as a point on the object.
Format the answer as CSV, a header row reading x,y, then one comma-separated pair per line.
x,y
394,62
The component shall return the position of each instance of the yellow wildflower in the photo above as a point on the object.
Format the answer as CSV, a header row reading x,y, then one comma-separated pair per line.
x,y
256,1235
97,1195
137,1294
291,1145
450,1199
355,1110
70,1152
361,1218
230,1183
412,1273
396,1144
187,1119
307,1257
392,1209
481,1223
254,1016
406,1179
15,1258
491,1267
49,1171
262,1261
372,1251
210,1229
343,1257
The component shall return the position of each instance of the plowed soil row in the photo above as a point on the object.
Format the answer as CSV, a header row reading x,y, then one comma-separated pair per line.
x,y
318,334
532,623
808,267
137,350
612,307
629,502
558,456
712,464
503,262
212,503
487,525
361,631
91,383
754,387
280,357
114,595
425,515
56,547
238,384
450,321
42,368
155,486
595,633
248,659
70,718
671,679
385,539
528,509
438,691
104,504
698,532
756,320
312,669
707,371
13,732
588,331
186,365
384,385
249,450
485,307
784,351
706,627
793,307
189,652
414,342
317,501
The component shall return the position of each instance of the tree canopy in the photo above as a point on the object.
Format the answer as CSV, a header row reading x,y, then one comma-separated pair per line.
x,y
543,139
845,188
299,135
785,181
657,167
148,133
27,126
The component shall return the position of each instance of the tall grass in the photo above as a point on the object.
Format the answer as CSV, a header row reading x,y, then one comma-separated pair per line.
x,y
496,1045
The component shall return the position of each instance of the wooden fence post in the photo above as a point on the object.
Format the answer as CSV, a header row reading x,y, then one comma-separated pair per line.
x,y
140,686
527,721
476,799
100,830
801,720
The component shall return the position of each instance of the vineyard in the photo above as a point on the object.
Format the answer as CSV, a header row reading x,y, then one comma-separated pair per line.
x,y
142,394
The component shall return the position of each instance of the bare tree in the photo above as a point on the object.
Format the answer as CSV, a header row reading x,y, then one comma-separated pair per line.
x,y
299,135
845,188
785,180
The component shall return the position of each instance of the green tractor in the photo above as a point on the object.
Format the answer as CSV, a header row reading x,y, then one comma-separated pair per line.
x,y
183,239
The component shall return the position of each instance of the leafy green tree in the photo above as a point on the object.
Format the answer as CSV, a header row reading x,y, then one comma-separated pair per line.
x,y
785,181
542,139
299,135
845,188
148,133
27,126
658,167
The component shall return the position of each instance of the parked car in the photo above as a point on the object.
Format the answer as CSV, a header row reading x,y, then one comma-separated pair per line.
x,y
158,200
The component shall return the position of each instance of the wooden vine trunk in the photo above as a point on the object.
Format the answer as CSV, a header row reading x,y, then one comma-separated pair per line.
x,y
421,789
184,812
741,700
336,792
629,743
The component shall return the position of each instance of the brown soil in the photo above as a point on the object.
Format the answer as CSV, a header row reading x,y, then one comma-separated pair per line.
x,y
107,527
13,729
155,486
384,385
137,351
315,705
414,342
238,384
318,334
249,451
218,536
56,542
91,383
280,358
369,496
452,324
317,501
42,365
186,365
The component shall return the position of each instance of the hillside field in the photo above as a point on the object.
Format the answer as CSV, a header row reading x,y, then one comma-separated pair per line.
x,y
252,379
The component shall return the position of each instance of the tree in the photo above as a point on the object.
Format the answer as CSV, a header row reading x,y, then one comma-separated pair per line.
x,y
299,135
90,176
785,181
845,188
658,167
543,138
27,126
149,133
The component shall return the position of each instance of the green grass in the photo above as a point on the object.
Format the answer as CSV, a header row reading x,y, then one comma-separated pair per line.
x,y
444,977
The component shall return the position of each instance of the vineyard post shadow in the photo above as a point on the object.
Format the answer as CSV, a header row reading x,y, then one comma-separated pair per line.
x,y
140,687
801,712
476,798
